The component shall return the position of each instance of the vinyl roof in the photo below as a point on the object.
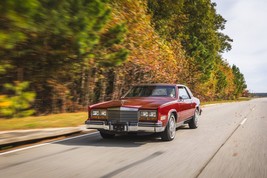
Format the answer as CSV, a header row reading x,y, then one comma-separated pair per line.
x,y
158,84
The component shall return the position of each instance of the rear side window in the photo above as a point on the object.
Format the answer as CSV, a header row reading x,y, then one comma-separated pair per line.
x,y
183,93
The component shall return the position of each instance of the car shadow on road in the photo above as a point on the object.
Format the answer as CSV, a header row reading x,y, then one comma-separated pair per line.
x,y
95,140
183,127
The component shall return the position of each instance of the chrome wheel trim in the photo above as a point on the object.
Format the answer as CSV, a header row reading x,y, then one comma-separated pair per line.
x,y
172,127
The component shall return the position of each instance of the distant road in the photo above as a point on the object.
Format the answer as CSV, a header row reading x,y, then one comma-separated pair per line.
x,y
231,141
260,94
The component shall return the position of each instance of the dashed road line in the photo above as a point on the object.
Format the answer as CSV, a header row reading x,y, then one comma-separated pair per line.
x,y
243,122
202,169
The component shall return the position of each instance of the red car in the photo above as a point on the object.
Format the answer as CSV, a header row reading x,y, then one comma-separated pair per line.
x,y
146,108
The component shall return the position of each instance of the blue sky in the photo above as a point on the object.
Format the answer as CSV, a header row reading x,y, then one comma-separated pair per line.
x,y
247,26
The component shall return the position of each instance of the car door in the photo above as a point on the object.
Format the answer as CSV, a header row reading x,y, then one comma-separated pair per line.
x,y
185,103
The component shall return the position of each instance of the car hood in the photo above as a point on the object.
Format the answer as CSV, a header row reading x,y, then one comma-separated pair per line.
x,y
142,102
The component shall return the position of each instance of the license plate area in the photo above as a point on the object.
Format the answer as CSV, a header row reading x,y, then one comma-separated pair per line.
x,y
119,127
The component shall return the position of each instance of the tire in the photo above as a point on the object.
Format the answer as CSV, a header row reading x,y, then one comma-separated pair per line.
x,y
170,130
106,135
193,123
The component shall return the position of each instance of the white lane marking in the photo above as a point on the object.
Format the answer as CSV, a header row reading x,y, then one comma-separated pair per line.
x,y
243,122
43,144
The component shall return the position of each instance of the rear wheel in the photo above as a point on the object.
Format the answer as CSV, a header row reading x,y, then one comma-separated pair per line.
x,y
169,132
106,135
193,123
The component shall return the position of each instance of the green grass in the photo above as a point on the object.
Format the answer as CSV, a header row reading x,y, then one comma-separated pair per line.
x,y
49,121
62,120
225,101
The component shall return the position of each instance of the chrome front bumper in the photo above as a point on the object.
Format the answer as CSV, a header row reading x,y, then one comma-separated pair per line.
x,y
125,127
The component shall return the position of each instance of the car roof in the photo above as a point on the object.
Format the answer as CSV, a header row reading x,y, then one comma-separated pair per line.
x,y
159,84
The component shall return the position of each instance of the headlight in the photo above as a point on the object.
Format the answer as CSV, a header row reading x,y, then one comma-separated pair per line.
x,y
99,114
103,113
144,114
152,114
95,113
148,115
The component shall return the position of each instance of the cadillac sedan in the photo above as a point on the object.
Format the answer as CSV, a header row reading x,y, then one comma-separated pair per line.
x,y
146,108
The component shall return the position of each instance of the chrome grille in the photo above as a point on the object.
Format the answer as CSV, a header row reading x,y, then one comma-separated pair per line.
x,y
122,115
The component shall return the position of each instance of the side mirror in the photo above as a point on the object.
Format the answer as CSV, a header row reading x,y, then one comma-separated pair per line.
x,y
181,98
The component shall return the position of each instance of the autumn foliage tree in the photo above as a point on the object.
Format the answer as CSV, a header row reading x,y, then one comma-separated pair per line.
x,y
59,49
239,81
75,53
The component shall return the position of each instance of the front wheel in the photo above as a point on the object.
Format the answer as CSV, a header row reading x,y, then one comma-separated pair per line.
x,y
169,132
106,135
193,123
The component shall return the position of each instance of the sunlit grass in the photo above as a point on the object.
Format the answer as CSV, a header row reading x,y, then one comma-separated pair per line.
x,y
49,121
65,119
226,101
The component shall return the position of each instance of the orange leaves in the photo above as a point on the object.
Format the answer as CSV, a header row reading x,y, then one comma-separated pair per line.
x,y
151,59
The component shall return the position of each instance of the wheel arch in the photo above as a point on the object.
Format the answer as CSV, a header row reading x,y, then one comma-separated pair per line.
x,y
175,113
199,109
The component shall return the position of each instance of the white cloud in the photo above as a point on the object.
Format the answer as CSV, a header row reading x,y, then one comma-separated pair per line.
x,y
246,25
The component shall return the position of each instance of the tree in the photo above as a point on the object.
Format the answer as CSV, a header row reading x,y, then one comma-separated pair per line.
x,y
239,81
16,18
17,102
197,26
76,53
60,47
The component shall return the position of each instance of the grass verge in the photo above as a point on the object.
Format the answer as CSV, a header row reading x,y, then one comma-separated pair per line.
x,y
225,101
63,120
49,121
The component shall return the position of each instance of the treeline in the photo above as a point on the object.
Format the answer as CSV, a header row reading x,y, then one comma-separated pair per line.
x,y
60,56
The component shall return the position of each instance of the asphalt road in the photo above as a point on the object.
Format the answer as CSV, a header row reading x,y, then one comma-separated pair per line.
x,y
231,141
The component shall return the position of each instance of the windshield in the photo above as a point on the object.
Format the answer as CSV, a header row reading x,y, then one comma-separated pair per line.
x,y
151,91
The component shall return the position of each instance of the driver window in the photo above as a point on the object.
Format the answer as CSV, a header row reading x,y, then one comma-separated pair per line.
x,y
183,93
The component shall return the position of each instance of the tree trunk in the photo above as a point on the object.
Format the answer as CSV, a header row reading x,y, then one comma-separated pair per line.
x,y
63,103
82,101
103,89
54,103
20,73
115,86
86,90
91,84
